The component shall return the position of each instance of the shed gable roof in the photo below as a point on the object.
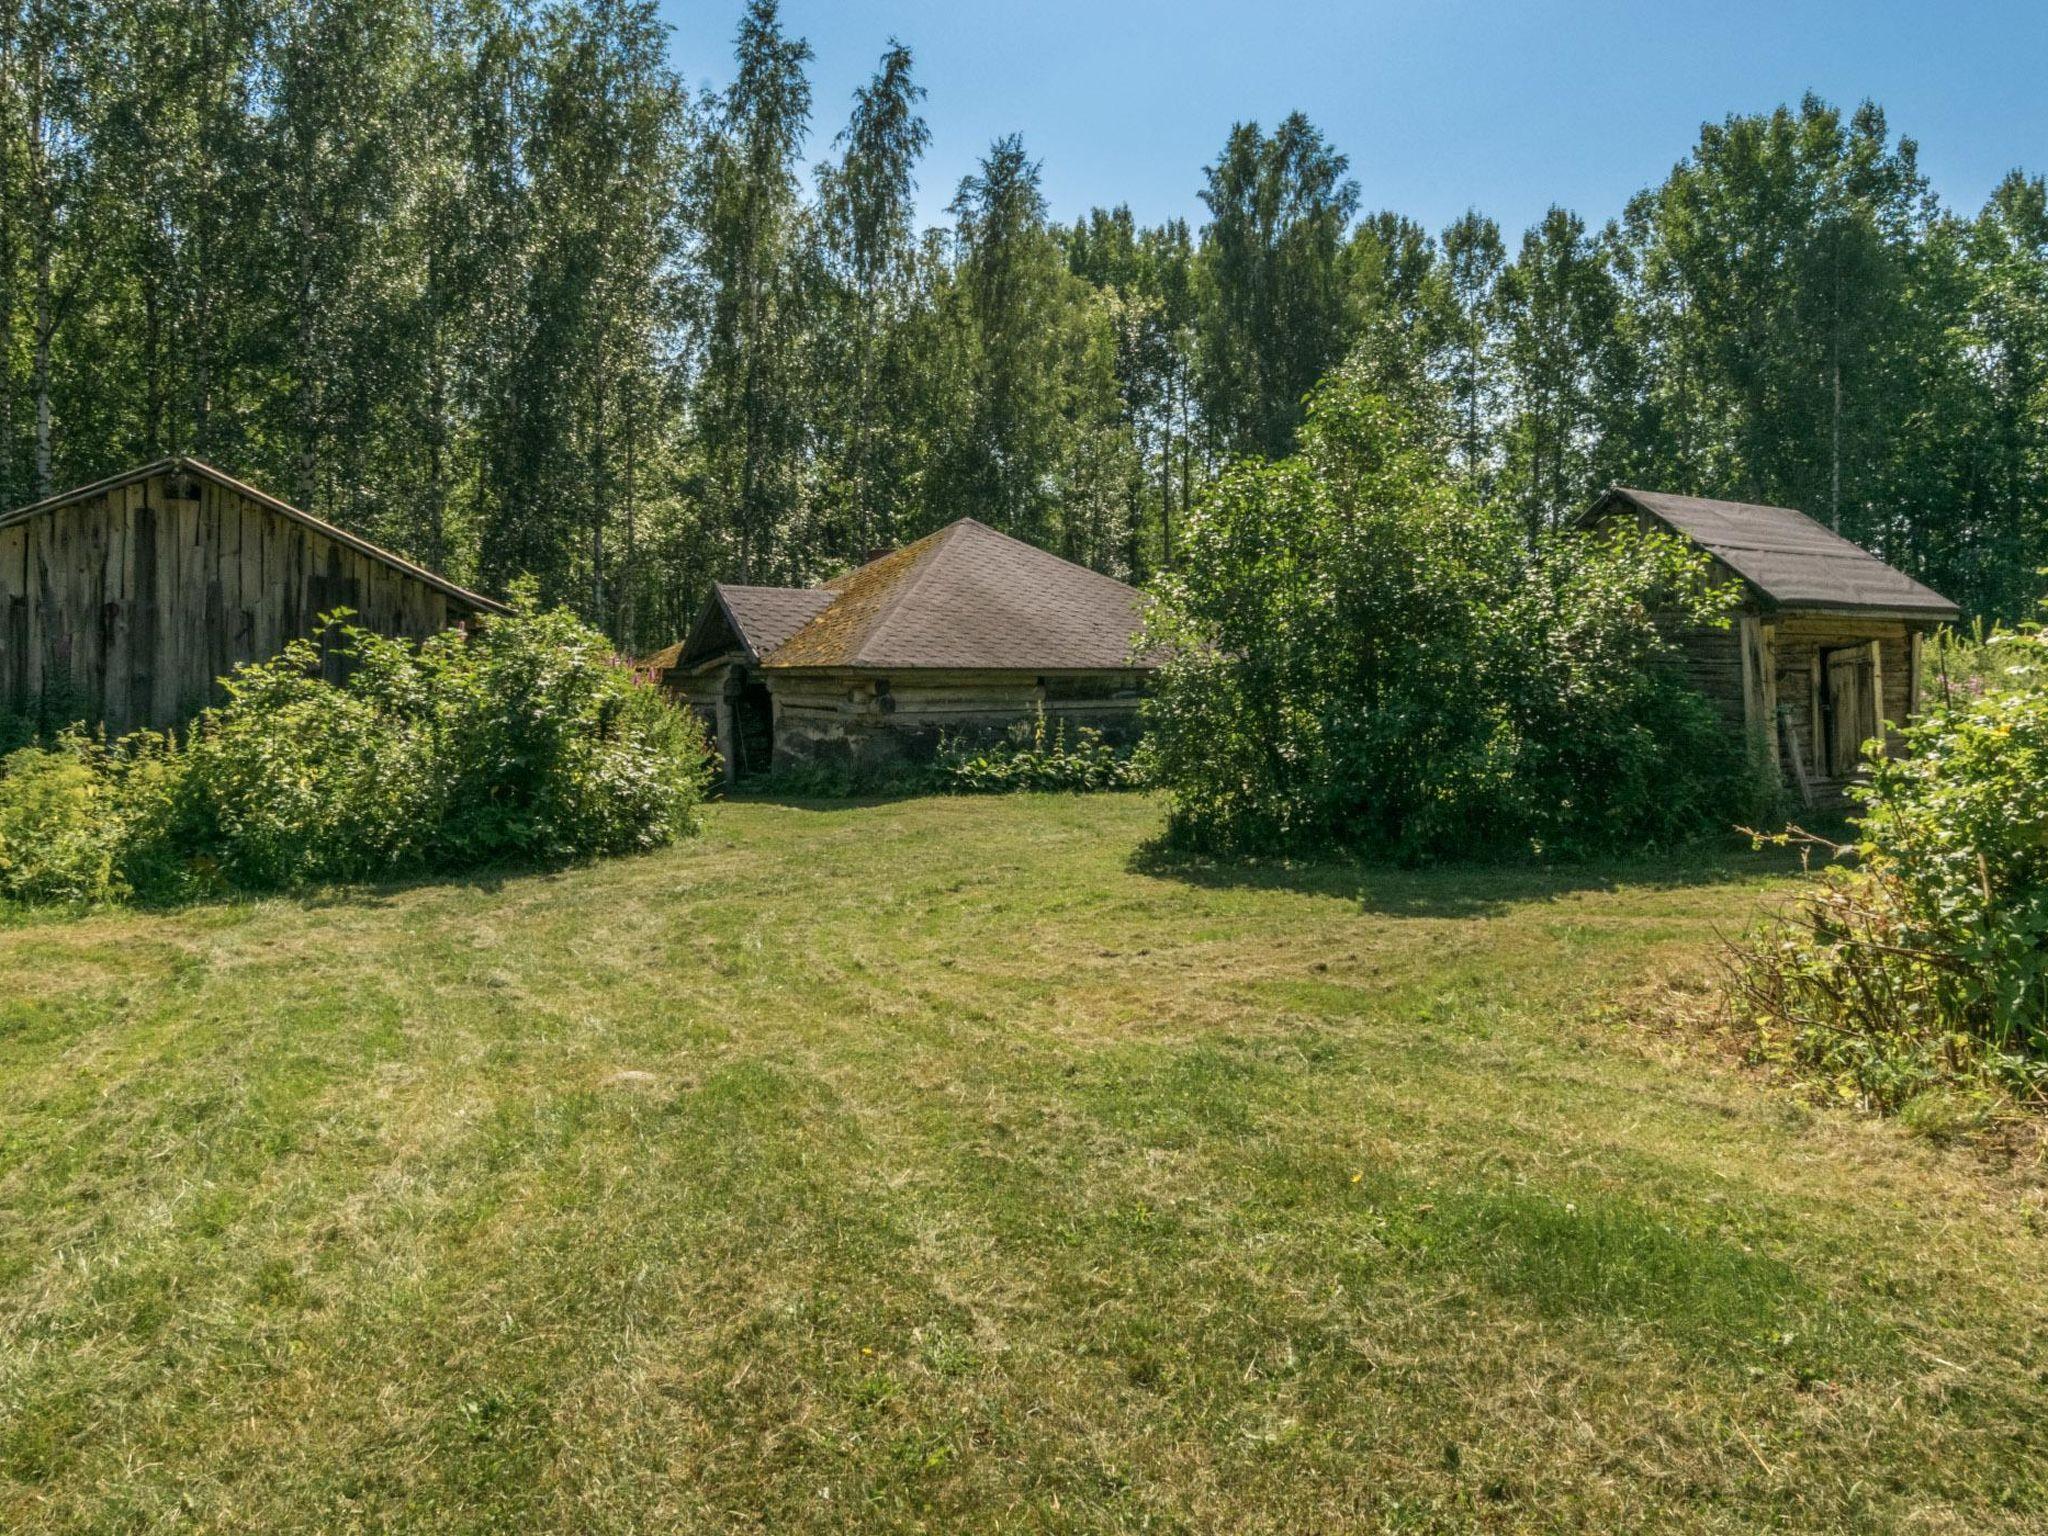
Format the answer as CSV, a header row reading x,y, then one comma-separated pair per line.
x,y
1791,559
971,599
179,464
764,617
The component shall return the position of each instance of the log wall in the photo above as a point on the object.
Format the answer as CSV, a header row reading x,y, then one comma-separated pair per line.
x,y
874,720
866,720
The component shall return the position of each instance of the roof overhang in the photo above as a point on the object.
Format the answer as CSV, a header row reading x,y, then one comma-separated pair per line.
x,y
1728,555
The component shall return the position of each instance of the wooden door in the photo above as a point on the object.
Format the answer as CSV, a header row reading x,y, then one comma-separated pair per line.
x,y
1851,707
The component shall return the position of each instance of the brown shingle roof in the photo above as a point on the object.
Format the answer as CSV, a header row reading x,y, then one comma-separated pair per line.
x,y
764,617
1787,556
970,598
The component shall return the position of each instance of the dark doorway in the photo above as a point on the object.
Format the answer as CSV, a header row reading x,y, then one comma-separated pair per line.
x,y
753,729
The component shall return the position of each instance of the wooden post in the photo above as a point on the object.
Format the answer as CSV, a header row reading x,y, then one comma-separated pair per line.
x,y
1759,689
1767,667
1880,735
1914,640
1818,732
1752,696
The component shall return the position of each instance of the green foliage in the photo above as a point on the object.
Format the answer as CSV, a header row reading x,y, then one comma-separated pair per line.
x,y
81,823
1273,318
523,741
1958,661
1927,963
1033,757
54,844
1361,657
484,282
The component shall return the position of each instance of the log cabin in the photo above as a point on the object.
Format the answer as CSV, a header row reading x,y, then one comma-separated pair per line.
x,y
1824,652
125,601
964,633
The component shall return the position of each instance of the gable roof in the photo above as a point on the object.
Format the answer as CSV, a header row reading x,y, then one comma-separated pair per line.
x,y
971,599
180,464
1794,561
764,617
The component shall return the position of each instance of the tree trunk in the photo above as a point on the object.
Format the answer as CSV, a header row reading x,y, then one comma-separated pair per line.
x,y
45,334
7,496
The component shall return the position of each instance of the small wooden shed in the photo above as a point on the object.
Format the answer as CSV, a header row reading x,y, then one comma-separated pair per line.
x,y
126,600
1824,653
963,633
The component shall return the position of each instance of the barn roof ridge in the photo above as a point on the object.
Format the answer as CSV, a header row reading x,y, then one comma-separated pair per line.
x,y
179,463
1793,559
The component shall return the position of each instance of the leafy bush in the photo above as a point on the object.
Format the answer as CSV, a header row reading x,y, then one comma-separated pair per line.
x,y
1031,757
1958,661
1360,657
523,740
57,709
1926,963
81,823
54,843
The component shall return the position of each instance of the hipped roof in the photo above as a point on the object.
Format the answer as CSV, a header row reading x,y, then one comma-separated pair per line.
x,y
181,464
1792,560
966,598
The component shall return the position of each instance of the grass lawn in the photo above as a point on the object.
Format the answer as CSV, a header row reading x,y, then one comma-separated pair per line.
x,y
952,1165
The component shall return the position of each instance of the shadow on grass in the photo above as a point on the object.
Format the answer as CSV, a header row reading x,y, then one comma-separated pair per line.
x,y
1463,889
366,895
767,793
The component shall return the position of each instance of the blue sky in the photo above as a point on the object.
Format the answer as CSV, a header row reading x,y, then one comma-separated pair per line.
x,y
1441,104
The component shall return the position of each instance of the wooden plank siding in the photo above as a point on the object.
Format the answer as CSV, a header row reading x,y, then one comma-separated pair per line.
x,y
1764,673
1802,643
127,606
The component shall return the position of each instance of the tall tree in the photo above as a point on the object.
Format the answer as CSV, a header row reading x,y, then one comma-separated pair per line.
x,y
1777,257
1560,311
1274,312
1007,293
334,82
600,236
750,231
2006,526
1473,259
1149,274
52,70
865,216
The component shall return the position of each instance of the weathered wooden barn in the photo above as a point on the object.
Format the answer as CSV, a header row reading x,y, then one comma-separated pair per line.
x,y
1825,648
965,632
126,600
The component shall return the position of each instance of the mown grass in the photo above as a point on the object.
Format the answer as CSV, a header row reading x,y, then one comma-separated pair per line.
x,y
963,1165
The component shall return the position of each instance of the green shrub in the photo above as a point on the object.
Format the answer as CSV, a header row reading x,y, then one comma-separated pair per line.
x,y
551,748
1926,963
1958,661
55,842
81,822
523,740
1031,757
1360,657
295,780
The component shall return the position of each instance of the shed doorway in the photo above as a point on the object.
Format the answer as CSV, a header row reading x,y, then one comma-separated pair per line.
x,y
1849,706
753,729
